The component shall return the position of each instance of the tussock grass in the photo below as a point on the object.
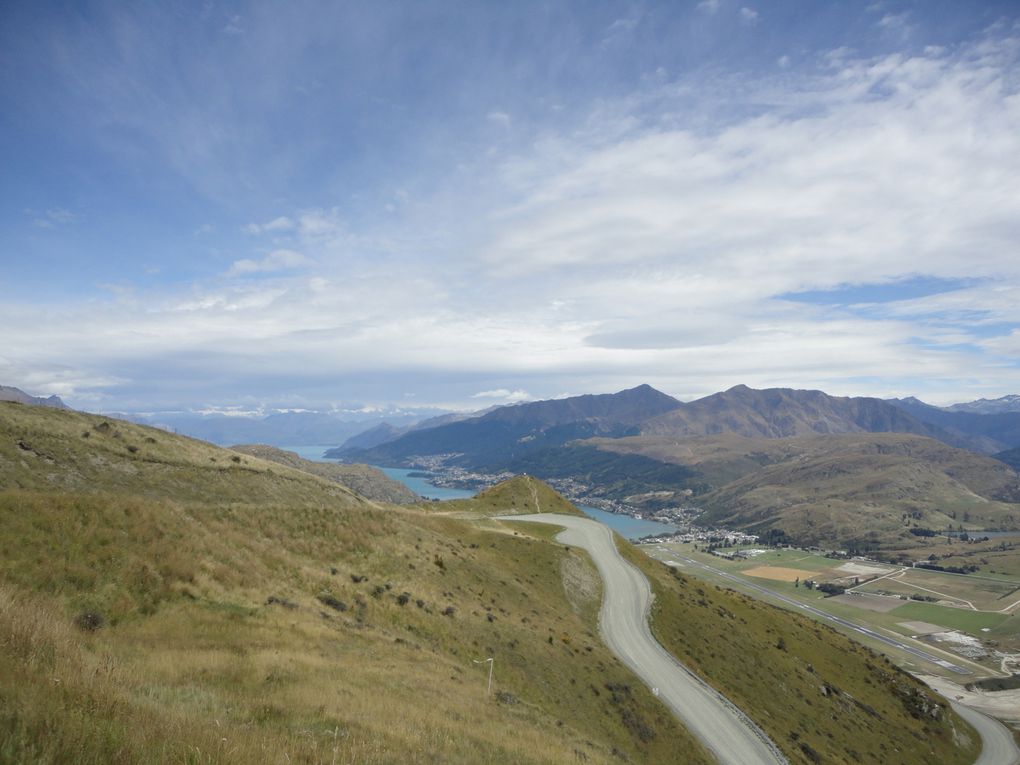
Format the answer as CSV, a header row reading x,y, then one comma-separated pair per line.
x,y
216,643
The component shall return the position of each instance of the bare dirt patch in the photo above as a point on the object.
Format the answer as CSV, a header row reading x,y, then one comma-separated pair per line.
x,y
922,628
868,602
778,573
581,582
860,569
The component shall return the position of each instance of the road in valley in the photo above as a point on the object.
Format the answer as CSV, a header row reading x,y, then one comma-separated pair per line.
x,y
623,621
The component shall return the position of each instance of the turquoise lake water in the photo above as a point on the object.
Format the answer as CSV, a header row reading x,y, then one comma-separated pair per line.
x,y
630,528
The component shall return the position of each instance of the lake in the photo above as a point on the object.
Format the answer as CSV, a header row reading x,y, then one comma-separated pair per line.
x,y
630,528
624,525
313,453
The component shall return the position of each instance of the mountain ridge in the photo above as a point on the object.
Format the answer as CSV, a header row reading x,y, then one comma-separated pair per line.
x,y
18,396
506,433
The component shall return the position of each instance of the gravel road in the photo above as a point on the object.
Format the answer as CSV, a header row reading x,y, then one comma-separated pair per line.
x,y
997,744
722,728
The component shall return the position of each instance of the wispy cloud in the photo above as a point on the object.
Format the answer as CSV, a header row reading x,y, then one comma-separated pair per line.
x,y
504,394
277,260
56,216
282,223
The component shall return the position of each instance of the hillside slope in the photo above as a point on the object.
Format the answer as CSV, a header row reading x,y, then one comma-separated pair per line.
x,y
234,610
365,480
860,489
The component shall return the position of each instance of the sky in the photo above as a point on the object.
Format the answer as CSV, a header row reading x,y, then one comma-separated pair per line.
x,y
460,204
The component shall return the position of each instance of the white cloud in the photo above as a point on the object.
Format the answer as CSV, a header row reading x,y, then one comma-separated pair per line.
x,y
505,394
277,260
894,22
282,223
234,26
56,216
748,15
783,62
709,6
499,118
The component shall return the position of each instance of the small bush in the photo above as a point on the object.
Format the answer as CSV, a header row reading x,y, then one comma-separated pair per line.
x,y
280,602
328,600
89,621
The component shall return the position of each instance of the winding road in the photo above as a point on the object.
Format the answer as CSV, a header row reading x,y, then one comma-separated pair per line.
x,y
998,747
623,621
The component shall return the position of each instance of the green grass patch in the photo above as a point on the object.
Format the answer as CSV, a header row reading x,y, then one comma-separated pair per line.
x,y
961,619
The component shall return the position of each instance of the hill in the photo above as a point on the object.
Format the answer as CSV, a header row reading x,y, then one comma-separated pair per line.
x,y
367,481
1011,457
179,602
7,393
495,439
864,490
196,603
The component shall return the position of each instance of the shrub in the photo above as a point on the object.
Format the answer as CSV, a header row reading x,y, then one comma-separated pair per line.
x,y
328,600
90,621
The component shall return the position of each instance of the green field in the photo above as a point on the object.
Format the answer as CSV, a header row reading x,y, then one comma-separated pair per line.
x,y
983,594
960,619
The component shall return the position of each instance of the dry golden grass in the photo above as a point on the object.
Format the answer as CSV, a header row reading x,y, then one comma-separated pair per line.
x,y
218,642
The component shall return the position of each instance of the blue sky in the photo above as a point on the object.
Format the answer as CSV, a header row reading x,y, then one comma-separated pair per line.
x,y
466,203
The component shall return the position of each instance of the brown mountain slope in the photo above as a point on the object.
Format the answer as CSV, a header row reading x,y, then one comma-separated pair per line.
x,y
783,413
836,489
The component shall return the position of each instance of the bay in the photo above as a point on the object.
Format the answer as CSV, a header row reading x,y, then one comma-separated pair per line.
x,y
625,525
313,453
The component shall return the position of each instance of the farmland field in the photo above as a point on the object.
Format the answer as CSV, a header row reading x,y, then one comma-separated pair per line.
x,y
778,573
972,592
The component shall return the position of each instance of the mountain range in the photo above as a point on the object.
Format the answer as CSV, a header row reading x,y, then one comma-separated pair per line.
x,y
820,468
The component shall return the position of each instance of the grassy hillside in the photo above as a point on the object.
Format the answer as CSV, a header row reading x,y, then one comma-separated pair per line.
x,y
821,697
866,489
159,606
817,694
366,480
